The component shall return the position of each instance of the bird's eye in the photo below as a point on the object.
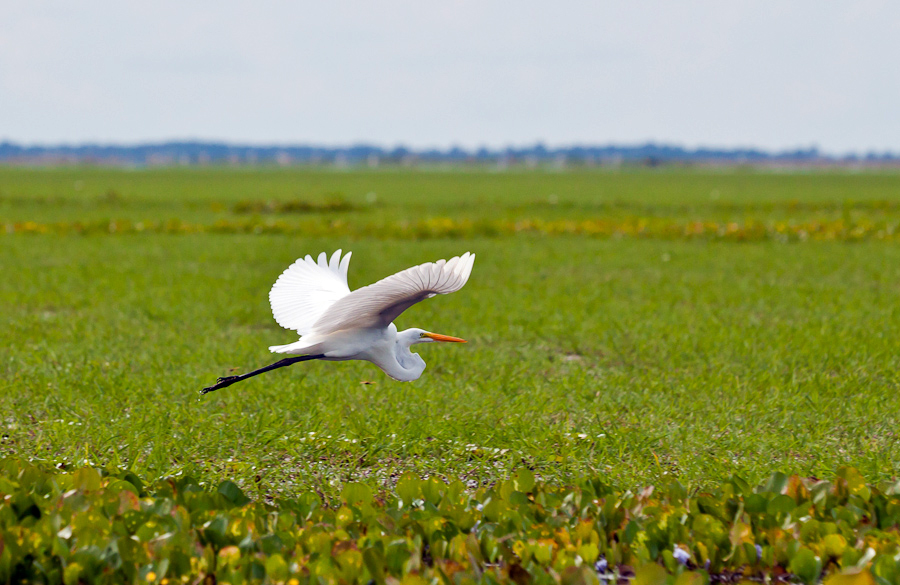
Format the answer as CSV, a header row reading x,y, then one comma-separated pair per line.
x,y
422,335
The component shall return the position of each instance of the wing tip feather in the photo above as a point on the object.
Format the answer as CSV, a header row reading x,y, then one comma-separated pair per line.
x,y
345,265
296,294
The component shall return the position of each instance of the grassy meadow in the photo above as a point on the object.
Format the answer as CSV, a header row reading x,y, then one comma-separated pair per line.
x,y
699,331
635,358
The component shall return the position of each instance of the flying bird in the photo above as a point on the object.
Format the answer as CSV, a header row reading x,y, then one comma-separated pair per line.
x,y
313,298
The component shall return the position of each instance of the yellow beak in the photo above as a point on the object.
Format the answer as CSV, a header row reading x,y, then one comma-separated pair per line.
x,y
439,337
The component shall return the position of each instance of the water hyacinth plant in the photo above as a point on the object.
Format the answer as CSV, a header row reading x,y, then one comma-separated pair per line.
x,y
107,526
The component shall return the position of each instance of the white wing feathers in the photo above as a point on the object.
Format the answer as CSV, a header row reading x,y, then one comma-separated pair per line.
x,y
305,291
377,305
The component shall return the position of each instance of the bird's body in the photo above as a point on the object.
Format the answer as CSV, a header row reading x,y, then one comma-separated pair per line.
x,y
383,347
313,298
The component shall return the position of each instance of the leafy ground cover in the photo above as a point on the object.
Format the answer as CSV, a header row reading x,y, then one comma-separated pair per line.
x,y
94,526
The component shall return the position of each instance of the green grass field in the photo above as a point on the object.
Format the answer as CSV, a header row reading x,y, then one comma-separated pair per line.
x,y
626,329
635,358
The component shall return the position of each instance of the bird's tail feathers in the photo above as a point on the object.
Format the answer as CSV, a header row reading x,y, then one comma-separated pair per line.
x,y
297,348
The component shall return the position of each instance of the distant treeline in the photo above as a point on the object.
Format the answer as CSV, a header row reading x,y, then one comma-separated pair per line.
x,y
194,153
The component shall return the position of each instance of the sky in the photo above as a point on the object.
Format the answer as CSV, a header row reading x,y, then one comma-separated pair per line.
x,y
768,74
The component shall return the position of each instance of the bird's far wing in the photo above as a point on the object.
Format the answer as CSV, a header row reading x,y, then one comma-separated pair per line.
x,y
377,305
307,288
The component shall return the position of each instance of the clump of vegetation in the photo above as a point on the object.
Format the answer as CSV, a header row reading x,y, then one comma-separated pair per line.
x,y
333,202
443,227
110,197
105,526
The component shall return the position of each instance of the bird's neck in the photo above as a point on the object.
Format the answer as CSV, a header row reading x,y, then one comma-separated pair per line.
x,y
407,367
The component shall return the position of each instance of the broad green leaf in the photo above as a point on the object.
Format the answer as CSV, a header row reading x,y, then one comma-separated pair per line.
x,y
214,530
277,568
433,490
356,493
409,488
589,552
863,577
86,479
856,484
72,574
781,505
776,483
233,493
373,557
523,480
806,565
650,574
755,504
834,545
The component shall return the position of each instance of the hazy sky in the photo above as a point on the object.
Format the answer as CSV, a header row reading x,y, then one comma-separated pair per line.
x,y
772,74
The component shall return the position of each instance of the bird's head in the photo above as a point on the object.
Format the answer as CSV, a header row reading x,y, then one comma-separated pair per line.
x,y
414,336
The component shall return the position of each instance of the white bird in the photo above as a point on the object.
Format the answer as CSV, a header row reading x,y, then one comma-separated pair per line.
x,y
313,298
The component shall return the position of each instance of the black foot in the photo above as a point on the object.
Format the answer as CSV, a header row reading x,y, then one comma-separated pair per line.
x,y
220,383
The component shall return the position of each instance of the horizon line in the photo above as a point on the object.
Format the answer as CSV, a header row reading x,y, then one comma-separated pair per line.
x,y
536,146
203,152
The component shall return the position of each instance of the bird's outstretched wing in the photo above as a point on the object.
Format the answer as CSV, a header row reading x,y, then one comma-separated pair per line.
x,y
304,291
377,305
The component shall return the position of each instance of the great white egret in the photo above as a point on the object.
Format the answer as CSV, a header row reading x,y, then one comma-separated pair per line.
x,y
313,298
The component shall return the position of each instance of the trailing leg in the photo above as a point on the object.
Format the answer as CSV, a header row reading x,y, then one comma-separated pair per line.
x,y
226,381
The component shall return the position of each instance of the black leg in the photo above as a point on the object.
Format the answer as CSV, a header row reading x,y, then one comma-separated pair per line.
x,y
229,380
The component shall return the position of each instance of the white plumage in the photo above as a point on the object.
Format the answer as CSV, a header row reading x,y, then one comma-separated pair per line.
x,y
377,305
312,297
307,288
